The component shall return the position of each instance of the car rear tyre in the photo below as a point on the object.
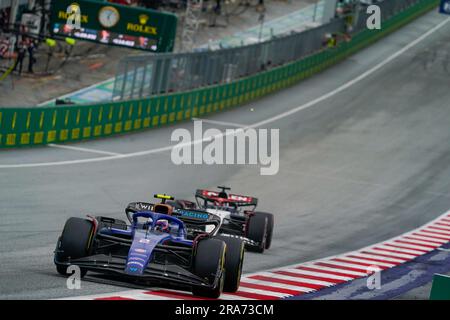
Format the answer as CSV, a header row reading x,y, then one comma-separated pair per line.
x,y
74,243
62,270
270,225
233,262
257,231
209,259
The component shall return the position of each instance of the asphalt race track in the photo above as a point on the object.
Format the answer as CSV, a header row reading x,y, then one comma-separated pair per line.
x,y
365,165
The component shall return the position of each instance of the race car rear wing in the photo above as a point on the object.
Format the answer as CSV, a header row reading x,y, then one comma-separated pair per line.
x,y
238,200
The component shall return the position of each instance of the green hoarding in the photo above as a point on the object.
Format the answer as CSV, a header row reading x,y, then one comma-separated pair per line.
x,y
440,289
114,24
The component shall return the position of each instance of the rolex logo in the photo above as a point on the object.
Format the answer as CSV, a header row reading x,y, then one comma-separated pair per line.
x,y
142,27
143,18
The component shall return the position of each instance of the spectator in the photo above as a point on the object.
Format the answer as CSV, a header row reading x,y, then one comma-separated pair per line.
x,y
218,7
32,60
21,53
4,19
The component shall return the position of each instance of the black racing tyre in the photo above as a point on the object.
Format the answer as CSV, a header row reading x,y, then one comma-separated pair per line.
x,y
209,259
75,242
233,262
270,226
257,231
62,270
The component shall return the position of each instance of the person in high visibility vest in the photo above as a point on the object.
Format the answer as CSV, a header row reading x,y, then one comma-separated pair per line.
x,y
330,40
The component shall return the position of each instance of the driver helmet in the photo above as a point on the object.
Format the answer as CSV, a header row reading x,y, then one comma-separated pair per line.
x,y
162,225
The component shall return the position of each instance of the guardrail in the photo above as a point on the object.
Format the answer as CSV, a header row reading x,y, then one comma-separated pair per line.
x,y
21,127
143,76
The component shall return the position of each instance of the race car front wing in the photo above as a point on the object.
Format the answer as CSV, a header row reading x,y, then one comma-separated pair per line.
x,y
154,273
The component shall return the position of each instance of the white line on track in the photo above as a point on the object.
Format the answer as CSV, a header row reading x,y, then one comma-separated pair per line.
x,y
255,125
144,296
431,237
276,285
221,123
420,241
102,295
412,246
228,296
263,292
332,277
436,232
370,262
361,255
344,265
298,279
53,145
435,229
443,227
397,249
325,269
405,257
425,240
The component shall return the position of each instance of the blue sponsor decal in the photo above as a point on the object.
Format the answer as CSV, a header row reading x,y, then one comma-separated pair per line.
x,y
141,250
194,214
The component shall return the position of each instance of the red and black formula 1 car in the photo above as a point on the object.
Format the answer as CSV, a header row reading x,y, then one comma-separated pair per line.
x,y
238,216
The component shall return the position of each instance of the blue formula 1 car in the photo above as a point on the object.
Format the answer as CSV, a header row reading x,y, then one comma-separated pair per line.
x,y
153,248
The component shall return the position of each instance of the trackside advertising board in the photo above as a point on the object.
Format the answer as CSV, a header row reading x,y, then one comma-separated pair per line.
x,y
114,24
444,7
